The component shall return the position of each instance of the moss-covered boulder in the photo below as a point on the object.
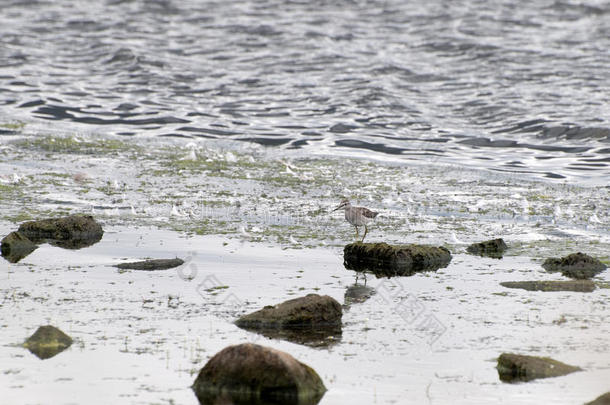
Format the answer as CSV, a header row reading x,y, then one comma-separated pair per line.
x,y
254,374
152,264
314,320
491,248
575,265
71,232
603,399
15,246
47,341
569,285
394,260
516,367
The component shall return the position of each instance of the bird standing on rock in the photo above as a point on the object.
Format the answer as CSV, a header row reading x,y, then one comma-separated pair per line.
x,y
357,216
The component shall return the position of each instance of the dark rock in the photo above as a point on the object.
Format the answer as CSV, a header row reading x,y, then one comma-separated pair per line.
x,y
153,264
570,285
312,320
71,232
253,374
516,367
491,248
310,311
47,341
15,246
394,260
603,399
576,265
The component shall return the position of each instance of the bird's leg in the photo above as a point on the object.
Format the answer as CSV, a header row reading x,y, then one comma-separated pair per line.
x,y
357,232
365,231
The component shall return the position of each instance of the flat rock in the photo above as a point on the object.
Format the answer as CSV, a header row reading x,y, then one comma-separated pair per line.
x,y
490,248
254,374
313,320
313,310
153,264
517,367
15,246
394,260
47,341
71,232
603,399
569,285
575,265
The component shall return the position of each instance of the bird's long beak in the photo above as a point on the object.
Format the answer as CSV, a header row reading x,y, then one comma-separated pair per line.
x,y
338,208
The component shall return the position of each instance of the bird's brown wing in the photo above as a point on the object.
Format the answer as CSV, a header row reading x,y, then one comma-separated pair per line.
x,y
368,213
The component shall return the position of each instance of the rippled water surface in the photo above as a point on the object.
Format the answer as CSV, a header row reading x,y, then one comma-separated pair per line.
x,y
514,85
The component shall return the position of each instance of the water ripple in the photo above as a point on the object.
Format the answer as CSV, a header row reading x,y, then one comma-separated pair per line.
x,y
508,85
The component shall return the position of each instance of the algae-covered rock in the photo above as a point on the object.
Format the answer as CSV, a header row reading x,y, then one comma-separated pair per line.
x,y
575,265
254,374
517,367
15,246
569,285
152,264
490,248
394,260
47,341
312,320
71,232
603,399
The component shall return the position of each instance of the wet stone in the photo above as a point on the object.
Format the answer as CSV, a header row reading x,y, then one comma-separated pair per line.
x,y
70,232
254,374
516,367
313,320
570,285
491,248
47,342
15,246
603,399
576,265
150,265
394,260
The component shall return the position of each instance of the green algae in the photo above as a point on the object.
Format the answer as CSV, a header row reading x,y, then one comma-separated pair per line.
x,y
75,145
255,194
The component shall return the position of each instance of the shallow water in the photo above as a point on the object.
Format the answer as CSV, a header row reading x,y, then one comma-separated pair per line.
x,y
141,337
226,132
520,87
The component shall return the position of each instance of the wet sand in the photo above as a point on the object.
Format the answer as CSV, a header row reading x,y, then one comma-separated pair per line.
x,y
141,337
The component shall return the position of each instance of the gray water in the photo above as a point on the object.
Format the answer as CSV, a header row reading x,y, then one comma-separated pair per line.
x,y
515,86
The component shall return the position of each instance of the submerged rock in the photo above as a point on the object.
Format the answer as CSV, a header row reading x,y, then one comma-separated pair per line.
x,y
15,246
570,285
313,320
490,248
575,265
517,367
394,260
603,399
71,232
254,374
47,341
153,264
